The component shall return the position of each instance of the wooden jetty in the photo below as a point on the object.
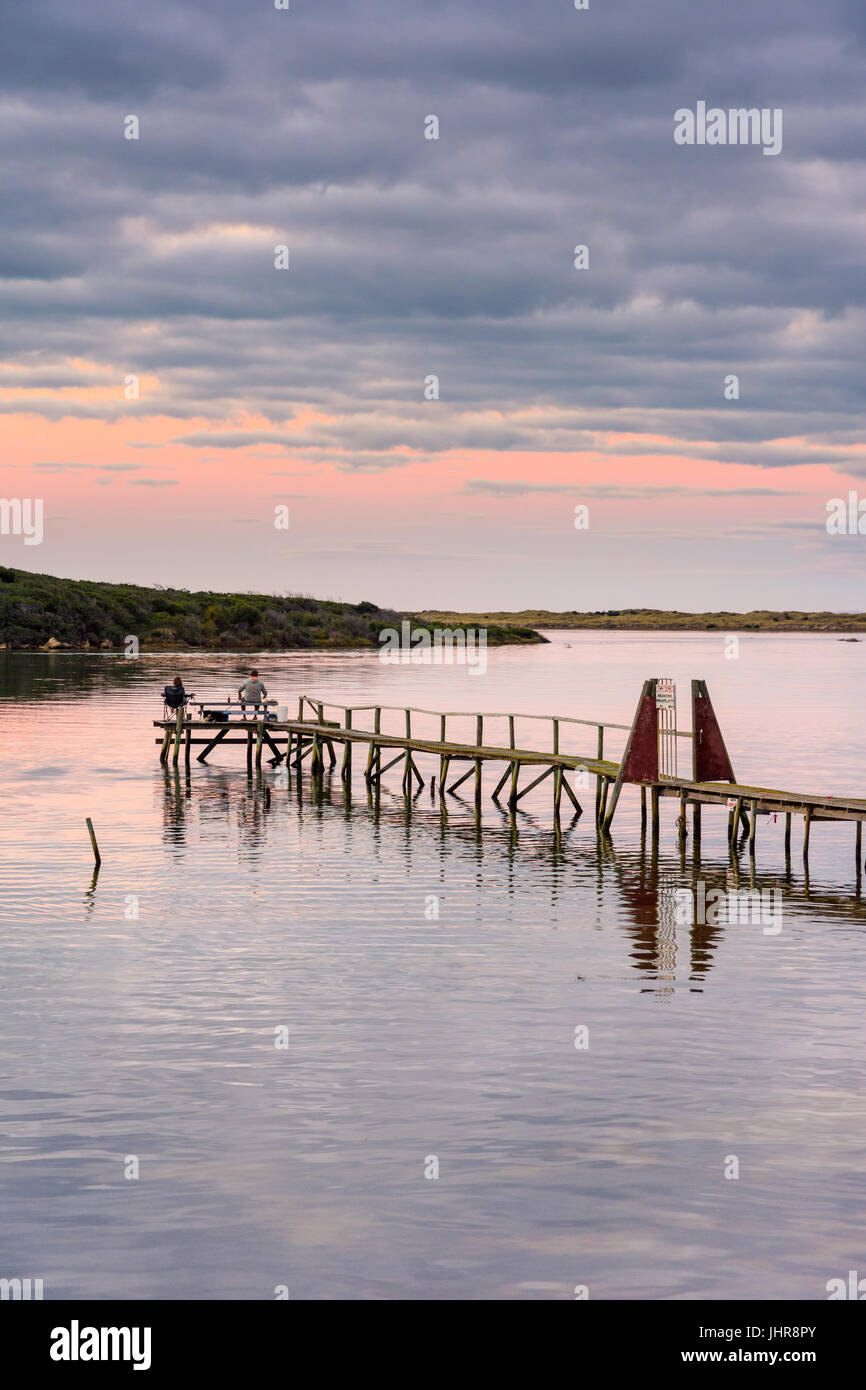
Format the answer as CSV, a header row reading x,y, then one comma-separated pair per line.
x,y
649,760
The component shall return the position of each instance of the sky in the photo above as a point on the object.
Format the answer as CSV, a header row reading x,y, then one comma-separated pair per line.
x,y
171,392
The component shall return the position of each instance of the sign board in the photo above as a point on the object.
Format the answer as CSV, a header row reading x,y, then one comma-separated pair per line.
x,y
666,712
666,693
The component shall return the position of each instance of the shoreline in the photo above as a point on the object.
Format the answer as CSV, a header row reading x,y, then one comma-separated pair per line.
x,y
645,620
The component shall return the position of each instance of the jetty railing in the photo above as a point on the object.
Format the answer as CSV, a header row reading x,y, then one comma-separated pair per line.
x,y
318,708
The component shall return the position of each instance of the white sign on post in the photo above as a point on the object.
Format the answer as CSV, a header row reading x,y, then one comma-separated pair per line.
x,y
666,711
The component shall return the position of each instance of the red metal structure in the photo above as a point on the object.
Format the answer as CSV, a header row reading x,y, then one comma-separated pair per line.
x,y
640,761
710,761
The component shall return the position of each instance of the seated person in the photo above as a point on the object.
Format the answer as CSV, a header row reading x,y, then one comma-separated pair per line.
x,y
174,695
252,692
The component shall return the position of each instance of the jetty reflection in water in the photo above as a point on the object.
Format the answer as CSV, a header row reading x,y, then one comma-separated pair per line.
x,y
650,890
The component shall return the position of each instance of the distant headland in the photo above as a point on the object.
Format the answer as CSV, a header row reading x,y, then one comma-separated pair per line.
x,y
660,620
42,612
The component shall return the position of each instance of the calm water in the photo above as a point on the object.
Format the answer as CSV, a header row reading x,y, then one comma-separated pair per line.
x,y
409,1037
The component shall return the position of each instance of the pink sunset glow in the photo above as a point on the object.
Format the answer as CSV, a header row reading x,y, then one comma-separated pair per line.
x,y
125,500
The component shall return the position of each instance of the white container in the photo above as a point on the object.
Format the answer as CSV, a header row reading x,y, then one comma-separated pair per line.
x,y
282,713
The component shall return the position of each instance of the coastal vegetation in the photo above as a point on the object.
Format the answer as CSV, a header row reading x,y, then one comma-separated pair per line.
x,y
42,611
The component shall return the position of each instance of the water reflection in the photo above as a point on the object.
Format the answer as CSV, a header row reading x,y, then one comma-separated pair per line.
x,y
266,901
639,889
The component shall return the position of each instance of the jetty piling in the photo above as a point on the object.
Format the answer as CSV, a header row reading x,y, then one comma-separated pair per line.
x,y
94,846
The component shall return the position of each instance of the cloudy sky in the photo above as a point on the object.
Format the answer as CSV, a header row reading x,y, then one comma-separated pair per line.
x,y
260,387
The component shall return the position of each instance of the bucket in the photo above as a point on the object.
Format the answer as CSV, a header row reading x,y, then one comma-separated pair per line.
x,y
282,713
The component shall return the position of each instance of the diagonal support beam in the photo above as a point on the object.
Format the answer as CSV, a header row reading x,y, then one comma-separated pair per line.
x,y
571,796
213,743
501,783
374,776
526,790
461,780
278,756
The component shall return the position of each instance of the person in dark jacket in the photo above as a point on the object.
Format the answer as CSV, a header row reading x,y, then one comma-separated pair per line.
x,y
174,694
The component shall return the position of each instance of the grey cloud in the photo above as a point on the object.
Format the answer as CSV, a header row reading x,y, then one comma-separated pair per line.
x,y
96,467
490,487
412,257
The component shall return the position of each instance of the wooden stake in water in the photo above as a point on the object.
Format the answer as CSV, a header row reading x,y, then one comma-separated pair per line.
x,y
97,856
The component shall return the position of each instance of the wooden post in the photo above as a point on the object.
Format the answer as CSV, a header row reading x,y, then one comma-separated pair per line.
x,y
806,828
696,820
443,774
655,812
260,725
600,755
300,706
515,774
187,742
753,826
97,856
477,781
346,769
643,810
377,720
604,789
788,835
556,735
408,723
858,844
479,730
557,790
511,731
682,817
368,775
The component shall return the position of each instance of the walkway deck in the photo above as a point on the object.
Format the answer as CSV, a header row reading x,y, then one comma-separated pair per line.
x,y
647,761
